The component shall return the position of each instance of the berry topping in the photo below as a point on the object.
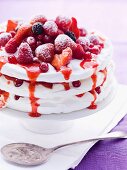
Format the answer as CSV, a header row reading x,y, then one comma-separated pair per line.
x,y
37,28
63,23
24,55
88,56
39,43
78,53
63,41
12,59
11,46
98,89
38,18
71,35
13,43
50,28
45,52
94,39
84,42
18,82
11,25
94,50
83,32
16,97
13,33
4,38
47,39
76,83
32,42
74,27
44,67
62,59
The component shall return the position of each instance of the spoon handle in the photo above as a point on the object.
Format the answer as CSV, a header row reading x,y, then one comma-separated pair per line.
x,y
111,135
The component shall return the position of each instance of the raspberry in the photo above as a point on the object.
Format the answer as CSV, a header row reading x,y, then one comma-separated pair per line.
x,y
94,39
39,43
37,28
25,55
78,53
11,46
76,83
47,39
38,18
62,41
12,59
45,52
18,82
84,42
94,50
83,32
50,28
63,23
71,35
60,32
74,27
40,37
44,67
32,42
4,38
98,89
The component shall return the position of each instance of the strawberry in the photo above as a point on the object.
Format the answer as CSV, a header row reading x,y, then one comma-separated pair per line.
x,y
38,18
83,32
66,56
63,23
63,41
79,52
11,25
24,54
56,62
74,27
45,52
62,59
4,38
14,42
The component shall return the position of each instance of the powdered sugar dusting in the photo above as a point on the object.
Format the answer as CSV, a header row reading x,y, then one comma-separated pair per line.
x,y
50,28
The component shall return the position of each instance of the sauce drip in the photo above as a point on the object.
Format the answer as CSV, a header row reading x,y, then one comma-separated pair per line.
x,y
66,86
88,64
5,98
105,75
66,72
93,105
94,80
33,73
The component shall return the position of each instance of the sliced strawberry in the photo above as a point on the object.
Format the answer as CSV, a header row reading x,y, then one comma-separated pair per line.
x,y
22,32
74,27
63,59
56,62
11,25
66,56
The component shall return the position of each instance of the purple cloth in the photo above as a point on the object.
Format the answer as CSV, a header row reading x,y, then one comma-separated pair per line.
x,y
109,17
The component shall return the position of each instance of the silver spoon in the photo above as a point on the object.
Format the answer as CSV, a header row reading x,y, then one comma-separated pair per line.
x,y
30,155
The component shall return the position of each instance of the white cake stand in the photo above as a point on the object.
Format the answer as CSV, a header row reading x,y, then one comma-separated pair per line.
x,y
55,123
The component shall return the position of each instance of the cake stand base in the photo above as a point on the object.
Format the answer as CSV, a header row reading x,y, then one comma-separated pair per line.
x,y
46,126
